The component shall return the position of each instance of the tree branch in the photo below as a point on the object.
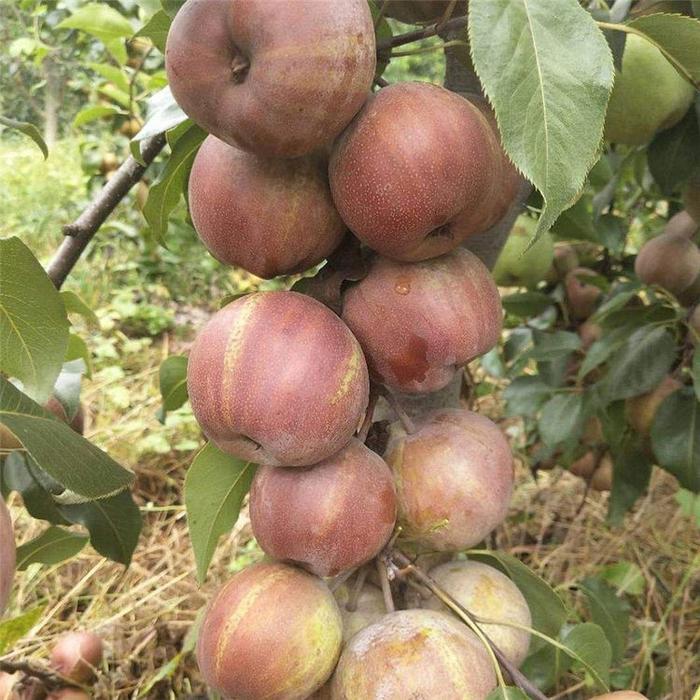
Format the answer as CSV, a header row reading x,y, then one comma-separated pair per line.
x,y
424,33
51,680
81,231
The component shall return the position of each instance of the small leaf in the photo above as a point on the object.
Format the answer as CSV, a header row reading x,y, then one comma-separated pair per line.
x,y
163,114
549,83
64,455
626,576
525,304
689,503
12,630
507,693
631,474
114,525
674,153
576,222
165,194
75,305
172,377
27,129
51,547
545,666
610,612
215,486
112,74
587,644
104,23
675,437
93,112
525,395
562,419
78,350
33,322
156,29
551,346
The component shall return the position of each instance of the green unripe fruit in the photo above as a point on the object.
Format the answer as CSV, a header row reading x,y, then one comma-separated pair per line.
x,y
649,95
517,268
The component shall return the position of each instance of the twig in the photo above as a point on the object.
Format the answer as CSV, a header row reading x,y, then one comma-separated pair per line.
x,y
386,586
418,34
50,679
81,231
408,425
517,677
340,579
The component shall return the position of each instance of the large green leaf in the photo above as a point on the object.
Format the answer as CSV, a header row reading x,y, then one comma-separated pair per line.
x,y
610,612
549,82
67,457
215,486
51,547
675,437
33,322
631,474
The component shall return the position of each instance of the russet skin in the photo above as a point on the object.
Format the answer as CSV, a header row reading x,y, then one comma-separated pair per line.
x,y
76,655
277,378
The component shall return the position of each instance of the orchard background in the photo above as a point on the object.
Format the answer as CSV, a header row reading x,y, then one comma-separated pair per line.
x,y
85,83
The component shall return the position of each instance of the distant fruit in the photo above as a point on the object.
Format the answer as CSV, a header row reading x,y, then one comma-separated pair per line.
x,y
602,479
273,631
519,266
584,466
328,518
565,260
7,555
414,654
454,478
76,655
682,224
380,164
582,297
109,163
589,332
269,216
419,323
641,410
671,261
592,432
276,78
130,127
370,608
277,378
649,95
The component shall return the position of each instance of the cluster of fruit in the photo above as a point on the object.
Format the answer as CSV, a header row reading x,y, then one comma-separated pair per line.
x,y
300,151
74,657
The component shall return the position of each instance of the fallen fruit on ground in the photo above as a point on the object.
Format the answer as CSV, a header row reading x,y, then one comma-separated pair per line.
x,y
273,631
328,518
76,655
292,400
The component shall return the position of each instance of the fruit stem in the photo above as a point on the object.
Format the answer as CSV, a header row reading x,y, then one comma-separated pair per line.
x,y
386,586
351,605
428,49
408,425
418,34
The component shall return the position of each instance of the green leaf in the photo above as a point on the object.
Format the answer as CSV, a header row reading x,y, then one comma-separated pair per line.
x,y
215,486
33,323
689,503
639,364
507,693
631,474
171,7
165,194
552,346
163,114
12,630
382,32
610,612
75,305
64,455
112,74
674,153
114,524
696,373
576,222
562,419
78,350
587,644
549,83
677,37
116,95
626,576
27,129
51,547
675,437
545,666
525,395
156,29
172,377
547,609
602,349
68,385
525,304
93,112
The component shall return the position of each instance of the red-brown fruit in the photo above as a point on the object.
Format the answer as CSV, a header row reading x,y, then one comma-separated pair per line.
x,y
454,478
269,216
328,518
682,224
419,322
582,297
7,555
420,654
76,655
413,186
621,695
277,378
273,632
669,260
276,78
589,332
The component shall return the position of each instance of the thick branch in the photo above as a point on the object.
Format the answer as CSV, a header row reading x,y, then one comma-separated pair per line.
x,y
80,232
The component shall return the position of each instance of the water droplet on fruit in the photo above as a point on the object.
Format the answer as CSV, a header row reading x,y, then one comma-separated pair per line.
x,y
402,286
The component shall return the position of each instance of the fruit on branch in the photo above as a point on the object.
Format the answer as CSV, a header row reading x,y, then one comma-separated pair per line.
x,y
584,466
621,695
422,11
417,171
454,478
581,297
7,555
130,127
691,198
671,261
277,78
641,410
414,654
269,216
518,265
108,163
328,518
589,332
565,260
602,479
76,655
649,95
488,594
419,322
277,378
273,631
592,432
682,224
370,608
